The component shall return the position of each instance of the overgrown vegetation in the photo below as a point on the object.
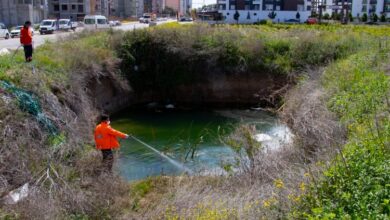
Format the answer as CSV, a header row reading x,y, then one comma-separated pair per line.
x,y
339,111
164,58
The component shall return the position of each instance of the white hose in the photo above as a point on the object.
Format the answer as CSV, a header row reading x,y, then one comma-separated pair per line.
x,y
172,161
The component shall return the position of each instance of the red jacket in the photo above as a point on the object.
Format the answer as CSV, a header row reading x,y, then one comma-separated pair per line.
x,y
106,137
26,36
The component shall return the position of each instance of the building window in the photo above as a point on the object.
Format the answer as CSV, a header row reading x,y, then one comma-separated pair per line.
x,y
277,8
64,7
308,8
73,7
56,7
300,7
269,7
232,7
247,7
364,8
256,7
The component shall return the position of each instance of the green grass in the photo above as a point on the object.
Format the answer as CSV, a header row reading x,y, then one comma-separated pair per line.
x,y
357,184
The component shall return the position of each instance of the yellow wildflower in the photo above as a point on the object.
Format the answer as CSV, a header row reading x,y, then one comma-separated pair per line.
x,y
306,174
279,183
266,203
297,199
302,186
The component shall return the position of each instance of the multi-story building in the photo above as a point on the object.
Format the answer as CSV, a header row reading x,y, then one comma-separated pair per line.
x,y
71,9
358,7
16,12
255,10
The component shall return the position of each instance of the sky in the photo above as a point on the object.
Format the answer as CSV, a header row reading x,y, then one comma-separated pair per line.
x,y
200,3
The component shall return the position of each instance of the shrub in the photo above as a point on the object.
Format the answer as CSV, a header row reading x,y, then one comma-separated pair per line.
x,y
326,16
364,17
383,17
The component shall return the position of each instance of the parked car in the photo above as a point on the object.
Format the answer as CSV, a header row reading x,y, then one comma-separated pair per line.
x,y
292,21
371,23
4,33
66,25
117,23
96,22
311,21
48,26
16,31
185,19
146,18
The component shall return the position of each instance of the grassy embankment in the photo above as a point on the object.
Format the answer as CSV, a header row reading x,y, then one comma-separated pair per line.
x,y
270,187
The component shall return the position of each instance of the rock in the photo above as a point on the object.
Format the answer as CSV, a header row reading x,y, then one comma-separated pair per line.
x,y
16,195
4,51
262,137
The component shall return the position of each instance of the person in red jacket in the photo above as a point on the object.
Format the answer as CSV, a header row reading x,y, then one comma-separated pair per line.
x,y
26,40
106,140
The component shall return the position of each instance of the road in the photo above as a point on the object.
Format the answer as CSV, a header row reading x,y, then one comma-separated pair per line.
x,y
14,43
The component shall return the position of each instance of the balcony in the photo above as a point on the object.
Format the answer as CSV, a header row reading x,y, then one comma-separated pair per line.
x,y
256,2
373,2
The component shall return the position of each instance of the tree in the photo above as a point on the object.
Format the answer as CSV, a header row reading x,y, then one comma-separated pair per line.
x,y
272,15
248,16
364,17
374,17
350,17
298,16
326,16
383,17
236,16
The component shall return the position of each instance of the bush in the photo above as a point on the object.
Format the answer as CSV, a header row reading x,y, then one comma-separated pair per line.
x,y
364,17
326,16
383,17
374,17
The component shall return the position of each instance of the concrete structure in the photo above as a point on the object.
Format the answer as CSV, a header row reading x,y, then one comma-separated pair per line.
x,y
256,10
16,12
71,9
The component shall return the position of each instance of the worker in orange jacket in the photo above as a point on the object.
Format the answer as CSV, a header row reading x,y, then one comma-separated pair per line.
x,y
26,40
106,140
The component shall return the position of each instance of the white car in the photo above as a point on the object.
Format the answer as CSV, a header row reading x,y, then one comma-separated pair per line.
x,y
47,26
16,31
66,25
4,33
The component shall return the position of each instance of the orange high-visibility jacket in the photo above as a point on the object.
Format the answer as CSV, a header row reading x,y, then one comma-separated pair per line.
x,y
26,36
105,137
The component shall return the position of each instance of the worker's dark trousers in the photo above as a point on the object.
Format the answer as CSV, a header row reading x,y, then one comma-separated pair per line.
x,y
28,51
108,159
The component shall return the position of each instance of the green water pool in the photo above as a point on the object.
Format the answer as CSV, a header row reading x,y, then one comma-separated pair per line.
x,y
174,133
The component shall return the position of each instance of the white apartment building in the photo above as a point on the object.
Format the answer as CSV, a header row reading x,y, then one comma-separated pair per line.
x,y
358,7
255,10
251,11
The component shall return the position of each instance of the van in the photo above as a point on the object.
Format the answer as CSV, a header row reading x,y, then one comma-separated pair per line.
x,y
95,22
47,26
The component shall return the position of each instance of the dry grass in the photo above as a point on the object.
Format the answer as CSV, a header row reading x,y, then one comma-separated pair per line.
x,y
64,174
